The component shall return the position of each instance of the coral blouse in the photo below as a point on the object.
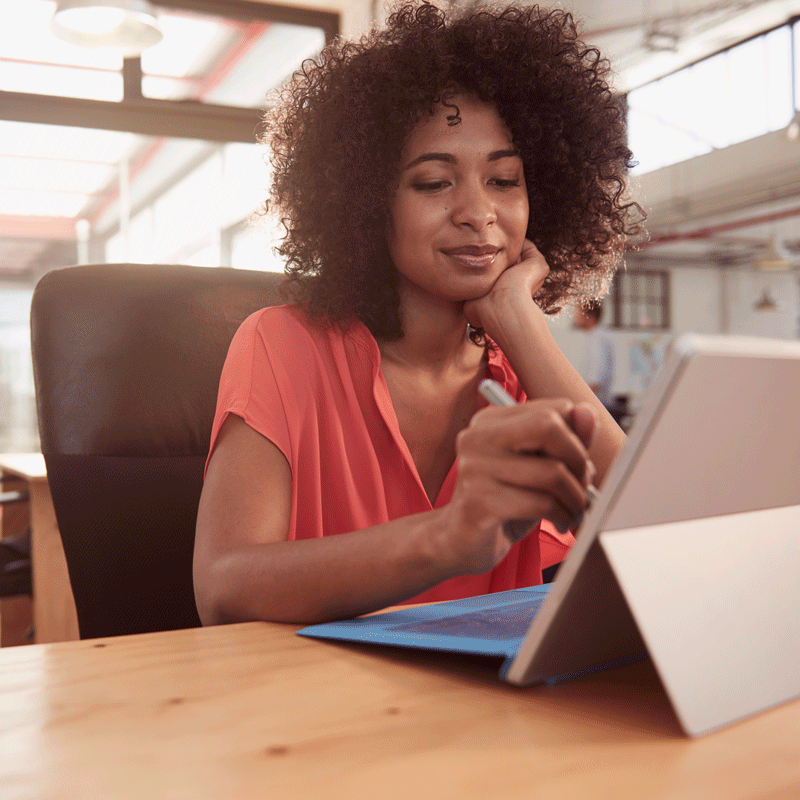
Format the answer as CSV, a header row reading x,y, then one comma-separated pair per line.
x,y
319,395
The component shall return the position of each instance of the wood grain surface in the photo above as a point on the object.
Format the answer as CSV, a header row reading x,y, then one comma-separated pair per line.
x,y
253,711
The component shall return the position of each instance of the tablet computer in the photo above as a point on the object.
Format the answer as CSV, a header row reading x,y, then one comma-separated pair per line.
x,y
690,553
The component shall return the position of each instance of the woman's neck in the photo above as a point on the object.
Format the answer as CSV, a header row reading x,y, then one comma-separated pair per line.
x,y
435,339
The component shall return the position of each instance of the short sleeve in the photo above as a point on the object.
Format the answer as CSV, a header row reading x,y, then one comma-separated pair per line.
x,y
499,369
248,385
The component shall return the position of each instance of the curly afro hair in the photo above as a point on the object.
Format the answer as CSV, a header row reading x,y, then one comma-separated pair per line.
x,y
339,126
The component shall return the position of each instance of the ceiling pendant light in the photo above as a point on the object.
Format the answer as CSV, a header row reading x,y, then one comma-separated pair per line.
x,y
658,40
775,258
765,302
129,26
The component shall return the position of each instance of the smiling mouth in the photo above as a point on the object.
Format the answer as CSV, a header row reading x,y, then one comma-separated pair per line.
x,y
474,256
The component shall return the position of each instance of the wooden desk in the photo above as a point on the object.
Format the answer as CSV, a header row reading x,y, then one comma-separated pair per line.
x,y
252,711
54,615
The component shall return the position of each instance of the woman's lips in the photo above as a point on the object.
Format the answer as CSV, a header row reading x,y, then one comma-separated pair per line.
x,y
476,257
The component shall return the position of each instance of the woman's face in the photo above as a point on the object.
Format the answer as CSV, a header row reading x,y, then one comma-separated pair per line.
x,y
460,213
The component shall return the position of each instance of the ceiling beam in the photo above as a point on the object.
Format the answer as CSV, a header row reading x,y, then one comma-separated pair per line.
x,y
180,119
710,231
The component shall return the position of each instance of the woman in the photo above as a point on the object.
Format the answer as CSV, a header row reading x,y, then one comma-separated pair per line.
x,y
443,183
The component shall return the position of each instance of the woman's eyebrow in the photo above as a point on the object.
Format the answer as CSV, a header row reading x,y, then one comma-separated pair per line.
x,y
510,152
449,158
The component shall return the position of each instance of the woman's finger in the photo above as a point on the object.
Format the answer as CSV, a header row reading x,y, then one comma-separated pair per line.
x,y
530,251
539,427
584,422
534,472
524,508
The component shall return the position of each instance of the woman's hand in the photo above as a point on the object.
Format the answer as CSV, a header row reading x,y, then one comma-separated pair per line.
x,y
527,462
521,330
523,279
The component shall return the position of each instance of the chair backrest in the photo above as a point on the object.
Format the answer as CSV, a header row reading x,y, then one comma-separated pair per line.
x,y
127,359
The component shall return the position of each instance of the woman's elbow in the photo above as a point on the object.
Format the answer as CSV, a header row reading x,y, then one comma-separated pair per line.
x,y
212,594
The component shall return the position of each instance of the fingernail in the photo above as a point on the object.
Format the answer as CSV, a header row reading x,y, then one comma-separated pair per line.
x,y
589,474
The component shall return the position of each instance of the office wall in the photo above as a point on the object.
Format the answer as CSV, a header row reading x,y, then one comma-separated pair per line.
x,y
704,300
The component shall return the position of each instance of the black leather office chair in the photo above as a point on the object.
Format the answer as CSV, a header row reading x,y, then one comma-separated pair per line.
x,y
127,359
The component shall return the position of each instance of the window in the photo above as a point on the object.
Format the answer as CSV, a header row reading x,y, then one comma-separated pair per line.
x,y
640,299
740,93
148,159
203,215
89,141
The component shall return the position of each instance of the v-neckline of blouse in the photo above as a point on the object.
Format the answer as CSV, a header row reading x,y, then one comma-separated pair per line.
x,y
383,400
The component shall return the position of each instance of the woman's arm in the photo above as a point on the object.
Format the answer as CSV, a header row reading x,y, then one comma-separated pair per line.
x,y
511,318
245,569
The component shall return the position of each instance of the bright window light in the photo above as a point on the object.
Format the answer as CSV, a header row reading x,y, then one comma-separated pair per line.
x,y
34,60
55,175
187,211
186,38
168,88
62,81
177,67
245,182
54,170
252,248
748,85
736,95
41,203
707,105
778,46
62,142
797,65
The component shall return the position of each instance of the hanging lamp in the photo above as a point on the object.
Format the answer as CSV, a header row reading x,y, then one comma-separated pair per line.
x,y
765,302
130,26
775,258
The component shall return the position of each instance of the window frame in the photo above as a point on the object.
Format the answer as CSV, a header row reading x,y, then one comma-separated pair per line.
x,y
622,300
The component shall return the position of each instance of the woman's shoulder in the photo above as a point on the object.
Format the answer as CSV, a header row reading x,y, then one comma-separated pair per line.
x,y
289,333
284,318
282,327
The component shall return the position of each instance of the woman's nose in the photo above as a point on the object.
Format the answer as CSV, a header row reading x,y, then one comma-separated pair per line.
x,y
474,208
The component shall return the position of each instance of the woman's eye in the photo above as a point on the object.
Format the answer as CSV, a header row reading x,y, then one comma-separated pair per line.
x,y
505,183
430,186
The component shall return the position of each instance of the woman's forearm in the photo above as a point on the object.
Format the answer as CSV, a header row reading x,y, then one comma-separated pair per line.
x,y
521,330
315,580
